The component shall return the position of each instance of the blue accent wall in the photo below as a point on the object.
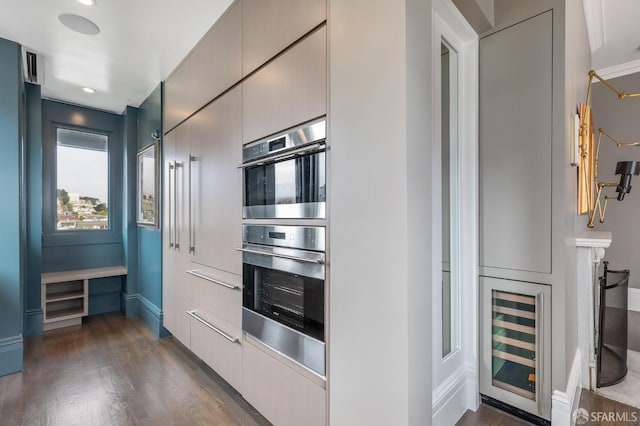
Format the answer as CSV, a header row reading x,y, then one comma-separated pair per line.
x,y
149,256
33,310
129,233
70,250
10,215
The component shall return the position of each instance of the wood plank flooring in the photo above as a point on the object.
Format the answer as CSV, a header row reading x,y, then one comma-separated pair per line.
x,y
601,410
113,371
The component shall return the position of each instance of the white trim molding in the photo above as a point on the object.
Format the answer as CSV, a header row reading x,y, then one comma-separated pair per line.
x,y
452,398
634,299
455,376
619,70
590,251
594,17
563,403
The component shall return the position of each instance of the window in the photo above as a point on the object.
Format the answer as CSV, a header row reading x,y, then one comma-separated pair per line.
x,y
82,180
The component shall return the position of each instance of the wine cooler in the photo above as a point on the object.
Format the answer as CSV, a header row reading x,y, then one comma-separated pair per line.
x,y
515,345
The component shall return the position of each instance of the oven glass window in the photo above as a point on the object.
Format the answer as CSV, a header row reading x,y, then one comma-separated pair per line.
x,y
298,180
293,300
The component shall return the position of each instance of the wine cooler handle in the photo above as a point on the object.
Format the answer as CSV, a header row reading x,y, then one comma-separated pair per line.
x,y
540,352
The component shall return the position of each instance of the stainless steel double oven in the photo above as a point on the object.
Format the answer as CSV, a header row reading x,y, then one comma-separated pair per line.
x,y
284,243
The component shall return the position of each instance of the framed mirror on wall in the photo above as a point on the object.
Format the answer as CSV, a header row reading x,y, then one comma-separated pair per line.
x,y
148,185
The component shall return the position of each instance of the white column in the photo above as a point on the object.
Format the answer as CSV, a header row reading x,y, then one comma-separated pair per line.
x,y
590,251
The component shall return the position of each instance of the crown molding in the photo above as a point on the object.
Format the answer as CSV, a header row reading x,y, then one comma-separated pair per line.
x,y
594,17
619,70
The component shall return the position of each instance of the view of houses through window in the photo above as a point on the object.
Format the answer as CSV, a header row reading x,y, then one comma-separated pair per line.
x,y
82,180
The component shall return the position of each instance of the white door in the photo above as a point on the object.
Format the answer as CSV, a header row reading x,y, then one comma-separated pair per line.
x,y
455,195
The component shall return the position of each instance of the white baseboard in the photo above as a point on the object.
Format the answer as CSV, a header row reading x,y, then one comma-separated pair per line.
x,y
452,398
563,403
634,299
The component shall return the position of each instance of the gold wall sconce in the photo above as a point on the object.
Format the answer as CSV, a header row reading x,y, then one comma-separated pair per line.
x,y
590,189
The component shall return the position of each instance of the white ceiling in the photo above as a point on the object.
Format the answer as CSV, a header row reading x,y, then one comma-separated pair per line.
x,y
140,43
614,27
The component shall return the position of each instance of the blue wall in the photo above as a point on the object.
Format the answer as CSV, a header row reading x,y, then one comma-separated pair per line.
x,y
10,215
80,249
71,250
129,232
33,309
149,256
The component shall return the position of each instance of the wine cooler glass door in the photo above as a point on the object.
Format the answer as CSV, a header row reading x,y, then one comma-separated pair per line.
x,y
516,344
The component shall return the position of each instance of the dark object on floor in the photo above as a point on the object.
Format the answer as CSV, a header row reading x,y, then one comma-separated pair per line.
x,y
528,417
613,327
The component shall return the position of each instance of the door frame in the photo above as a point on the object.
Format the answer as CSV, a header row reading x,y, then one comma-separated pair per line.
x,y
455,377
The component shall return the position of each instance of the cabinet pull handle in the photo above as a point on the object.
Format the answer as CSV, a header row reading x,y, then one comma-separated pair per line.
x,y
176,166
199,274
192,245
304,149
539,351
217,330
171,200
283,256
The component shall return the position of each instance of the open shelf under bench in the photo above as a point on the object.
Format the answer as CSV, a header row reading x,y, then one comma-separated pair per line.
x,y
65,294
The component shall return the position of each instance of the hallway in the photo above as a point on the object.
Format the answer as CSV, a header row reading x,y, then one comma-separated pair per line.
x,y
113,371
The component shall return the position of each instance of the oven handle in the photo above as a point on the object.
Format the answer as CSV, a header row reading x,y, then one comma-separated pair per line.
x,y
283,256
230,338
304,149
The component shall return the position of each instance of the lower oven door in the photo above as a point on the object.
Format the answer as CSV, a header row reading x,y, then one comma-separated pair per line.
x,y
283,302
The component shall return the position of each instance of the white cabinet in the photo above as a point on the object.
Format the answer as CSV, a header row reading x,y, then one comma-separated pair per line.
x,y
176,294
202,214
281,394
169,259
217,291
290,90
214,65
65,294
269,26
218,344
216,184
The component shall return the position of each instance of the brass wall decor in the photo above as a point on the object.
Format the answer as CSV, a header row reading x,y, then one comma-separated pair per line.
x,y
590,190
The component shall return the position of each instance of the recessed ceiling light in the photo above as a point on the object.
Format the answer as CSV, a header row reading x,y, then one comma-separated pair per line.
x,y
87,2
78,24
88,90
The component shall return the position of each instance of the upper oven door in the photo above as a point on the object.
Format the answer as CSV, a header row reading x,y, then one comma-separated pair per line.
x,y
285,176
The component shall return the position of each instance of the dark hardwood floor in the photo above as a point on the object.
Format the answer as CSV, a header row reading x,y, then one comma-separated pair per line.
x,y
113,371
600,411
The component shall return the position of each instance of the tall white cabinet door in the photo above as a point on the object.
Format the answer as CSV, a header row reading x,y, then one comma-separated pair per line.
x,y
214,65
182,232
216,150
168,252
218,57
288,91
269,26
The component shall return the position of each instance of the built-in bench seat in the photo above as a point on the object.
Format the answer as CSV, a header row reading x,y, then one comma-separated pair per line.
x,y
65,294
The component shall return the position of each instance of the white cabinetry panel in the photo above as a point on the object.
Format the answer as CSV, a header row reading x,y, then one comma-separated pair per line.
x,y
216,183
516,122
215,348
269,26
281,394
214,65
288,91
